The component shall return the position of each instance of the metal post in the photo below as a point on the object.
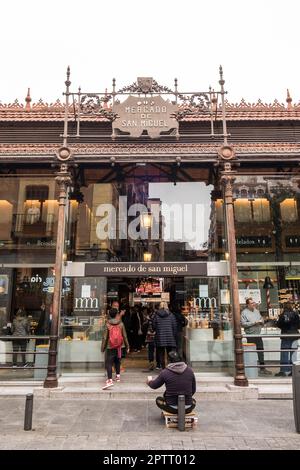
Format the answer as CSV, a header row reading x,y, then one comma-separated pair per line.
x,y
28,412
227,179
181,412
63,179
67,93
296,394
222,82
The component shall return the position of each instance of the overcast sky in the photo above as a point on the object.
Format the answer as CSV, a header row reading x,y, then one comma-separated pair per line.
x,y
256,41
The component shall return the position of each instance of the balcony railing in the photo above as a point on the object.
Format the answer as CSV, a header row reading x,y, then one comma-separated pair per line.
x,y
27,225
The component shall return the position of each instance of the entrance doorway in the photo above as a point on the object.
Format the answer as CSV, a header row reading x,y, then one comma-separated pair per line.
x,y
138,299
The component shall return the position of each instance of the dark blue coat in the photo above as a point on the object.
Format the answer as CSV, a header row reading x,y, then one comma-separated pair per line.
x,y
165,327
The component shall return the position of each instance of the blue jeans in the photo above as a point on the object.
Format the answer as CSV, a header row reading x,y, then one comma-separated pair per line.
x,y
288,357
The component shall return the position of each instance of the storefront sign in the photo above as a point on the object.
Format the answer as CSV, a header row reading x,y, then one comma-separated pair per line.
x,y
148,300
4,284
292,241
36,279
244,294
86,303
292,273
5,295
85,291
146,269
49,285
203,290
254,242
153,114
249,242
165,296
40,243
205,302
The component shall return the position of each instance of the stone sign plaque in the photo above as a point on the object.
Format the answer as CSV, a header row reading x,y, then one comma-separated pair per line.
x,y
153,114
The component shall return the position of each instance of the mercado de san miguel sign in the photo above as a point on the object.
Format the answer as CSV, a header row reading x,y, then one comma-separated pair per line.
x,y
148,113
146,269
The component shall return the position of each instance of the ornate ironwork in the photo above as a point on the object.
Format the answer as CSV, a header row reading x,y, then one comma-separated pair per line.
x,y
93,104
194,105
187,104
141,87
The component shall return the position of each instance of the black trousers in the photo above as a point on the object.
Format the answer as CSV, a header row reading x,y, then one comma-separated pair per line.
x,y
151,350
19,344
161,403
112,358
259,345
160,354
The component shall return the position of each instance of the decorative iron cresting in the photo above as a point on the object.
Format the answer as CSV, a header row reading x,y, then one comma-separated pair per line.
x,y
180,105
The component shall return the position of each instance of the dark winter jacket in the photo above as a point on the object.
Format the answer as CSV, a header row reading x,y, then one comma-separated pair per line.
x,y
289,322
179,379
20,326
150,336
180,320
43,323
105,340
165,327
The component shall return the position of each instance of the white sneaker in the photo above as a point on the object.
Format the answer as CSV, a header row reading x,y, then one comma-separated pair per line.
x,y
118,378
109,383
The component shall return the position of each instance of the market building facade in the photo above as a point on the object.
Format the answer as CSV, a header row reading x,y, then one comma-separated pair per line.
x,y
143,195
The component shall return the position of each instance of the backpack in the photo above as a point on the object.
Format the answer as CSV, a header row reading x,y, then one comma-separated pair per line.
x,y
115,337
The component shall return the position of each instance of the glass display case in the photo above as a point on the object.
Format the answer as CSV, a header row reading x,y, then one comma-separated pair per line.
x,y
87,328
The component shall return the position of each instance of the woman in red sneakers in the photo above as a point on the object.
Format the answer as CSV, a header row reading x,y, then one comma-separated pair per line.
x,y
114,339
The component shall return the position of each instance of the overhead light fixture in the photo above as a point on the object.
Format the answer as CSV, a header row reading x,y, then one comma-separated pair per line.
x,y
268,284
147,256
146,220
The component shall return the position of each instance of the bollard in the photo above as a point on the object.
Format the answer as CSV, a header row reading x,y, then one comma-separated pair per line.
x,y
296,394
250,359
181,412
28,412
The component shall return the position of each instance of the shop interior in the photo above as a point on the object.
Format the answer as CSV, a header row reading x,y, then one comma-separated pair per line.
x,y
137,298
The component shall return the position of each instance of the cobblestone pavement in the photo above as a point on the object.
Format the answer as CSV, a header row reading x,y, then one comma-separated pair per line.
x,y
99,424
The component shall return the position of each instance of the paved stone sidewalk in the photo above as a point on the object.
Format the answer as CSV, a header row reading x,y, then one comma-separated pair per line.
x,y
124,424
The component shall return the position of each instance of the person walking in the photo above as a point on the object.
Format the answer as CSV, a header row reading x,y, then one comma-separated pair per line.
x,y
114,339
42,326
252,322
150,340
165,327
289,323
20,327
136,332
181,322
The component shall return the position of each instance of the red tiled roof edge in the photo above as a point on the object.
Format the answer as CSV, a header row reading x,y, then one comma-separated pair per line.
x,y
242,111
